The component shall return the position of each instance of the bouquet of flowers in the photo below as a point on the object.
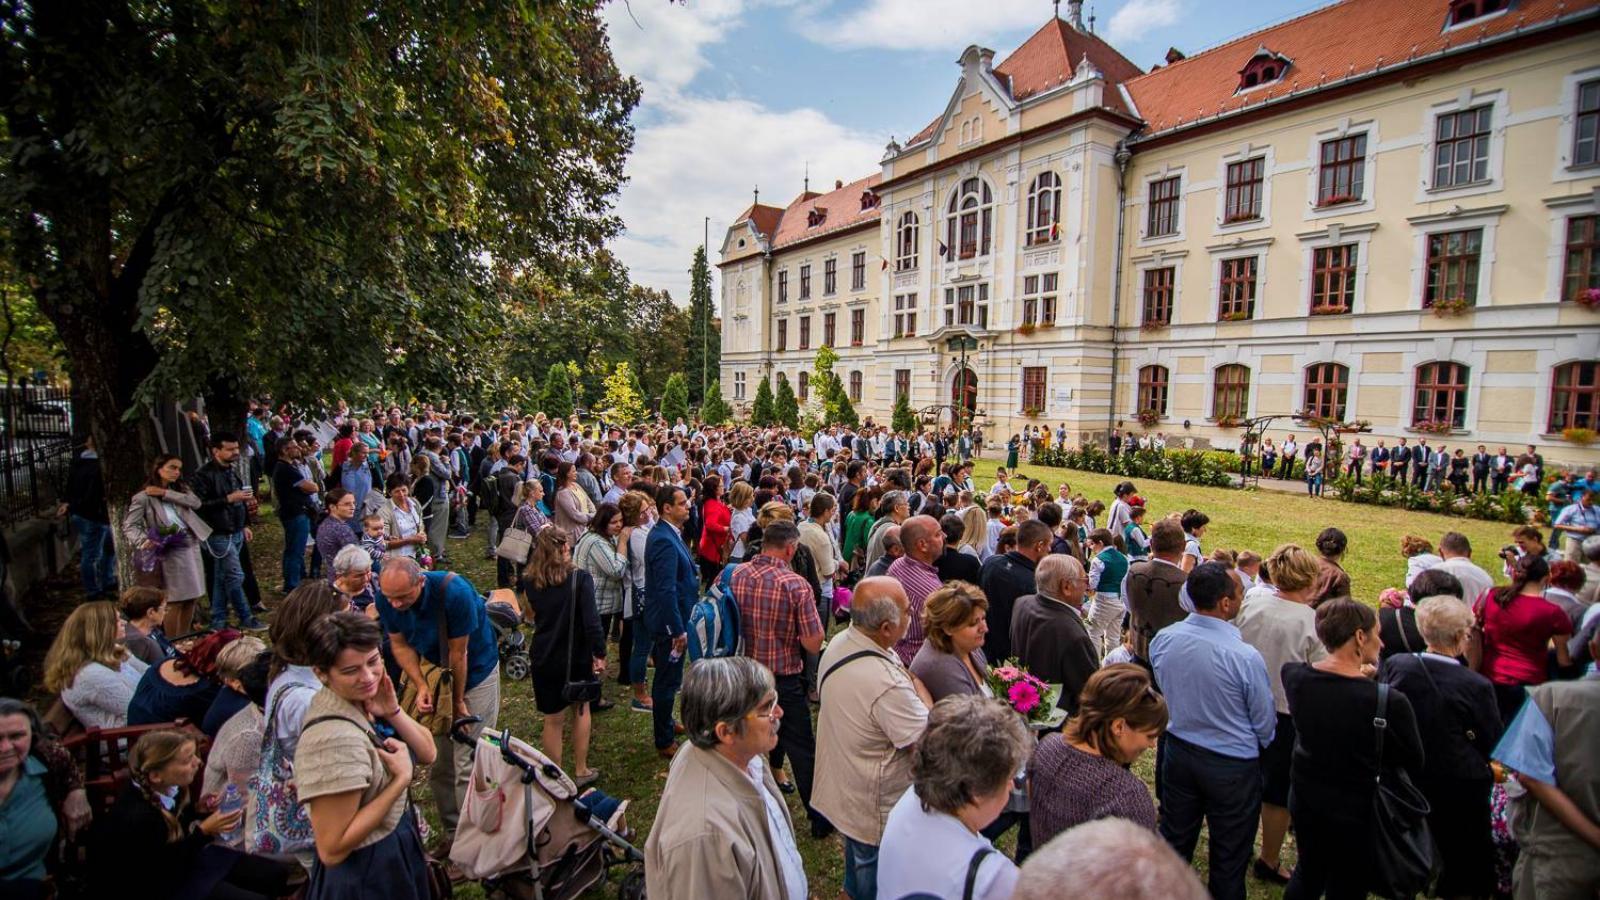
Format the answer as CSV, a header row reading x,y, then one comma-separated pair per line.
x,y
164,540
1035,700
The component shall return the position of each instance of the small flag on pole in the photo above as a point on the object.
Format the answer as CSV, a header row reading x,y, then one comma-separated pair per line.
x,y
1055,229
943,250
885,263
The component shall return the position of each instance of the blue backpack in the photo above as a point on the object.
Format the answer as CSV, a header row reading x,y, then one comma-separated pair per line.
x,y
714,621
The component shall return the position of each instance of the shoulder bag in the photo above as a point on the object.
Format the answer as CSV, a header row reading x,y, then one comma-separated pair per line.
x,y
275,822
516,542
587,690
437,678
1404,861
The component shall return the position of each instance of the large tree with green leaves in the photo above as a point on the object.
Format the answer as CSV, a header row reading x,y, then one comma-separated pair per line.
x,y
705,339
763,410
622,403
228,199
675,399
786,409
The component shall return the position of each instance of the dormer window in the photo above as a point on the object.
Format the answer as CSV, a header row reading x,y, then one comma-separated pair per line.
x,y
869,200
816,217
1464,11
1264,67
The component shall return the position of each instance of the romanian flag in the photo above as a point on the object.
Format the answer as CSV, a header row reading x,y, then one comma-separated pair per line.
x,y
1055,229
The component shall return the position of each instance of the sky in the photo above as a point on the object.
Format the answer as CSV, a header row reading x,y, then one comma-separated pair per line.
x,y
746,93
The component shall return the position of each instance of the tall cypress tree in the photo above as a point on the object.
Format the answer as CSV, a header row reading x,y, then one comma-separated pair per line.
x,y
786,409
705,341
763,412
675,399
715,411
903,419
556,397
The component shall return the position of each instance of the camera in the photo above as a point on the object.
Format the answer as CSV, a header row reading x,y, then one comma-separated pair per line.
x,y
1509,551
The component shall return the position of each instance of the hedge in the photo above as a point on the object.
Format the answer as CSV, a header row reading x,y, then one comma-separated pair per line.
x,y
1182,466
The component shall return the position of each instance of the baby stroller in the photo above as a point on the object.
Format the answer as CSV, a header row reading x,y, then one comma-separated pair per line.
x,y
506,620
545,841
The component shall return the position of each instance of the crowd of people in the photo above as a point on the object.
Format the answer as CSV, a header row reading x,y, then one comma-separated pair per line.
x,y
1255,677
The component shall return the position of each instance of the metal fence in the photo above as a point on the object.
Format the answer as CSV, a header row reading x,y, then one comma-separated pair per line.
x,y
35,449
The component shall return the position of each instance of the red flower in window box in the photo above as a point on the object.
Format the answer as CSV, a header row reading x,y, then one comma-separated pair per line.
x,y
1434,426
1326,310
1589,297
1240,217
1582,437
1154,325
1149,418
1026,328
1450,306
1047,324
1235,316
1336,200
1227,422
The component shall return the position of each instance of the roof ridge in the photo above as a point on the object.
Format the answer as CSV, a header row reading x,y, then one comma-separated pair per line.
x,y
1189,57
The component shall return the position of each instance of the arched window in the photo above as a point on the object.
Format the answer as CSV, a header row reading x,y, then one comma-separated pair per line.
x,y
1327,385
1441,395
1264,67
906,241
969,221
1044,208
1230,394
1575,396
1153,390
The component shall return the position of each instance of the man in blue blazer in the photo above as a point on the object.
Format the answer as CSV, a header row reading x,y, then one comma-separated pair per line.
x,y
672,585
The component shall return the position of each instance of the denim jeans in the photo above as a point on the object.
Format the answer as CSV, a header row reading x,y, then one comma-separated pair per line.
x,y
295,531
860,869
97,559
227,582
664,689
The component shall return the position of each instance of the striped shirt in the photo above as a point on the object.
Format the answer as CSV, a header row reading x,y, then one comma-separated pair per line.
x,y
919,579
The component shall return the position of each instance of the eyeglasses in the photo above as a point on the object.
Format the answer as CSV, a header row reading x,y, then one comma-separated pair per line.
x,y
768,710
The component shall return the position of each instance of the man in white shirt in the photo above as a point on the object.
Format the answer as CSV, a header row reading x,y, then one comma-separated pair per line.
x,y
1457,553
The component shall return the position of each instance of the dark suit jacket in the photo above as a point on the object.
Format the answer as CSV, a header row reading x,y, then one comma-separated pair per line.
x,y
957,566
1003,578
671,582
1051,642
1455,714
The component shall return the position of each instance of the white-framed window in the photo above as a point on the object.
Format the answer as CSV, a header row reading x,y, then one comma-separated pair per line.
x,y
905,315
1044,208
830,276
1244,195
1157,282
1453,257
1039,299
1342,177
805,282
783,285
858,270
969,220
1333,269
1239,281
1578,138
907,239
1161,196
1465,146
855,386
967,305
738,385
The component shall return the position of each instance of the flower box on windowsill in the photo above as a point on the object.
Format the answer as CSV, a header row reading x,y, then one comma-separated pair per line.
x,y
1336,200
1446,307
1433,426
1241,218
1233,317
1049,323
1581,437
1330,310
1589,298
1226,421
1032,412
1026,328
1154,326
1149,418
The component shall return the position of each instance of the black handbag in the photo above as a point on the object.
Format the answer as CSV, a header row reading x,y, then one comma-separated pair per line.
x,y
589,689
1404,860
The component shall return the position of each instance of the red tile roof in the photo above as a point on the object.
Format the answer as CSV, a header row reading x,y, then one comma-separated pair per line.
x,y
764,218
842,204
1350,38
1048,59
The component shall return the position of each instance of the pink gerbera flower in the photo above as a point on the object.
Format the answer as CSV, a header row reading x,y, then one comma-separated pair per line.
x,y
1007,673
1024,697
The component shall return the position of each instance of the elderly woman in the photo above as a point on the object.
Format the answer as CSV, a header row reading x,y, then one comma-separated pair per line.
x,y
568,644
165,506
602,553
1419,556
94,674
1455,709
354,782
1082,775
1397,624
961,770
573,508
1336,761
1566,579
1276,619
183,687
236,749
730,834
231,662
143,610
41,790
954,618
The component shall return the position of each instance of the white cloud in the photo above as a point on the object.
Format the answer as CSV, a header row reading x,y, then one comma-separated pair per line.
x,y
660,43
1138,18
703,158
947,25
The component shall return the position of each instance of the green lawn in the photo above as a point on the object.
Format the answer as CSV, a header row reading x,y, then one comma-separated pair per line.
x,y
1260,520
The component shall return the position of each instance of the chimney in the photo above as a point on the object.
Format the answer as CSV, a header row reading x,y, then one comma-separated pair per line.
x,y
837,184
1075,14
1173,55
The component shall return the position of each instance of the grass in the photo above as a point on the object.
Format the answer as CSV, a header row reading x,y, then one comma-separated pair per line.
x,y
1259,519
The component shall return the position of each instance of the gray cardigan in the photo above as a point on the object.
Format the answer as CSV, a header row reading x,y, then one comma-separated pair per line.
x,y
944,674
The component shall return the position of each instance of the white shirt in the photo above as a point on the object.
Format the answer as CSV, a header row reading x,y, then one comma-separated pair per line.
x,y
1475,581
790,866
928,852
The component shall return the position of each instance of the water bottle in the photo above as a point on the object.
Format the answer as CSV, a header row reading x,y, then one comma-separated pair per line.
x,y
232,801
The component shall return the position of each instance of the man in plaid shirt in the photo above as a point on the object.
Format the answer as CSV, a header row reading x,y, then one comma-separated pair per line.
x,y
778,618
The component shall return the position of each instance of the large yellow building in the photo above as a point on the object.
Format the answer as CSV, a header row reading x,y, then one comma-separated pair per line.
x,y
1375,211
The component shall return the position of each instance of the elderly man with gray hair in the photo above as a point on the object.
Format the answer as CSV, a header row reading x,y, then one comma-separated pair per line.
x,y
1108,858
873,712
724,830
893,508
893,549
1050,631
